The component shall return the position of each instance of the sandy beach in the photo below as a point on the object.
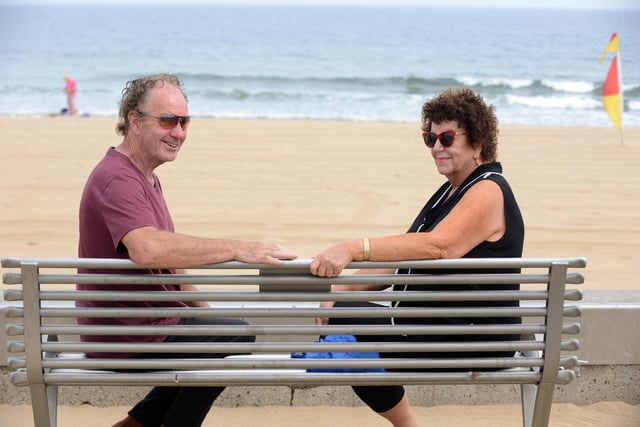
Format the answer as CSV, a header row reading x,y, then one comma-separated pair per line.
x,y
610,414
307,184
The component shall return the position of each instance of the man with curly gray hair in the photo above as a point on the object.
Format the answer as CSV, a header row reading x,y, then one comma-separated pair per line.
x,y
123,214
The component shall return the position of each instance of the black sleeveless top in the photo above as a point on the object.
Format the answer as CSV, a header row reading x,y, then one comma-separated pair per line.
x,y
509,246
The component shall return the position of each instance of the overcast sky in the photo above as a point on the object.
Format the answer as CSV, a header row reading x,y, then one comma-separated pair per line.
x,y
570,4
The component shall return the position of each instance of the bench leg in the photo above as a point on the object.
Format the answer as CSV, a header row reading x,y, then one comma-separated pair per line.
x,y
52,399
536,404
544,399
44,404
528,394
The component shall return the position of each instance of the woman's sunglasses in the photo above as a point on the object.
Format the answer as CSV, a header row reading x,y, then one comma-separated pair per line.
x,y
169,121
446,138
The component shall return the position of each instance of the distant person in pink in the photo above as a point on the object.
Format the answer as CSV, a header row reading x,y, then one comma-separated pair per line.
x,y
71,89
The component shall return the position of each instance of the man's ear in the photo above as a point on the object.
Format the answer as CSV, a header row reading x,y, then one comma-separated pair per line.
x,y
134,121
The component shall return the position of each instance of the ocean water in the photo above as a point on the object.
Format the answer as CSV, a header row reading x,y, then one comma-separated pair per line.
x,y
350,63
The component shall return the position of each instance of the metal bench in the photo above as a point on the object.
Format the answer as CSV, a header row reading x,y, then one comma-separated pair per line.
x,y
282,302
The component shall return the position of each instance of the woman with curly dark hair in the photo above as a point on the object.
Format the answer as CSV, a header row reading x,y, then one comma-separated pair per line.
x,y
474,214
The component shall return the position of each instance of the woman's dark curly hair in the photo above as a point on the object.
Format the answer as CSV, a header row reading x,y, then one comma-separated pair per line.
x,y
464,106
136,93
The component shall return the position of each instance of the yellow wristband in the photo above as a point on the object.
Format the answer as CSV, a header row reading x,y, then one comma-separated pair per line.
x,y
365,249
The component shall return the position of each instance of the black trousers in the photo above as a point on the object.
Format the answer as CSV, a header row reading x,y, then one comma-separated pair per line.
x,y
383,398
184,406
378,398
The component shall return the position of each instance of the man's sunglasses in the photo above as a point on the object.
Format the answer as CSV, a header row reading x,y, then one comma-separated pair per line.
x,y
169,121
446,138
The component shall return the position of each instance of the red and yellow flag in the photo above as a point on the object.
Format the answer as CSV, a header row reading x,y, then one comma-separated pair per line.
x,y
611,95
612,47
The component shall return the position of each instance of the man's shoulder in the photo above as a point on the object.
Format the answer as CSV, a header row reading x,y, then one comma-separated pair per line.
x,y
114,172
113,164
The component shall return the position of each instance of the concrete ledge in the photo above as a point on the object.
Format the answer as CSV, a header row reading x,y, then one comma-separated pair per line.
x,y
610,324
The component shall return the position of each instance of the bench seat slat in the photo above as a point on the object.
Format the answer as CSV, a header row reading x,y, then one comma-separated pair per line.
x,y
218,378
80,361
